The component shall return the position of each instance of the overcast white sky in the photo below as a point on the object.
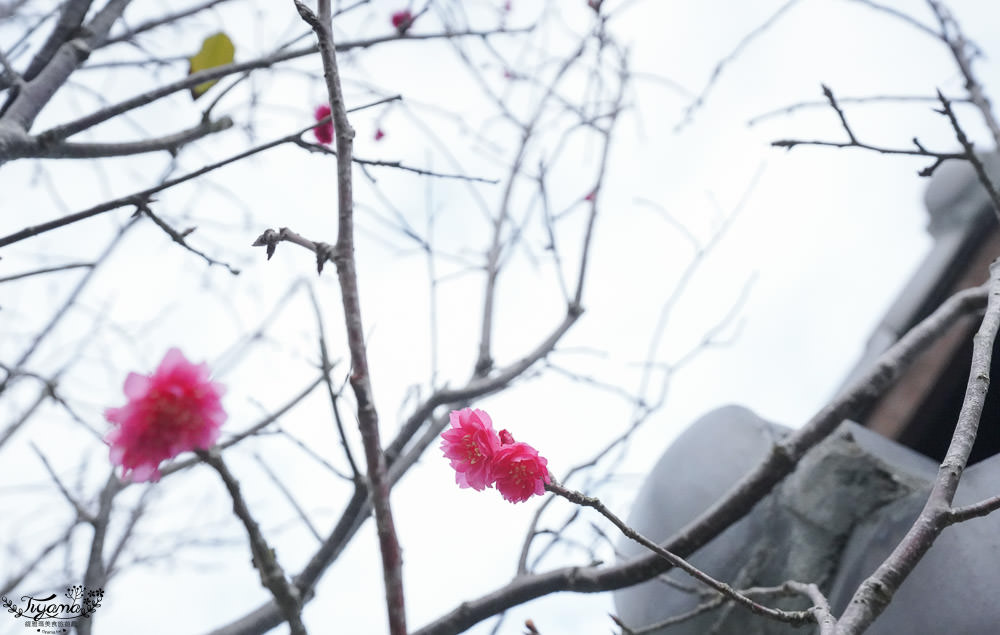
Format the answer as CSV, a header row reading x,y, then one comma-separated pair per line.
x,y
829,236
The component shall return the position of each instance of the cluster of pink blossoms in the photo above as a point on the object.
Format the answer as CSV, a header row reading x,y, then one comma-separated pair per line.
x,y
483,458
176,409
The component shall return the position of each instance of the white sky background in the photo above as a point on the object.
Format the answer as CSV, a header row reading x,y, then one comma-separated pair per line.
x,y
830,236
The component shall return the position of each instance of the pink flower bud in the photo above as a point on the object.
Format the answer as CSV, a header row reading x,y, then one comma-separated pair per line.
x,y
402,20
324,131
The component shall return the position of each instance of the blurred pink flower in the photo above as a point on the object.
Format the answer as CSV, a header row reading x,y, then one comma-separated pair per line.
x,y
324,131
506,438
379,134
591,196
402,21
470,445
177,408
520,472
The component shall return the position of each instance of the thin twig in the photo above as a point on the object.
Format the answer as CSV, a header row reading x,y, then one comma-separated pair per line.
x,y
728,59
36,272
959,49
287,493
874,99
970,154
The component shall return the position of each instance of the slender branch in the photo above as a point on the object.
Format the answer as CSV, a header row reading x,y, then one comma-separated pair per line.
x,y
169,18
343,253
63,310
81,511
970,154
249,432
289,496
179,238
790,617
896,13
334,394
959,46
852,142
36,272
728,59
15,580
272,576
873,99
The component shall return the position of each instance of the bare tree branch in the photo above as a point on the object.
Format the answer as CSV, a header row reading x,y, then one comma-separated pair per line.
x,y
343,254
875,593
265,560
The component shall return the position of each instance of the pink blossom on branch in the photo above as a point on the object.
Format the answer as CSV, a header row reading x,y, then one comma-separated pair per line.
x,y
402,20
176,409
520,472
324,131
470,445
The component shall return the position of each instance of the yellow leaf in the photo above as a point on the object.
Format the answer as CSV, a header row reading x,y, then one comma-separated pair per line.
x,y
216,50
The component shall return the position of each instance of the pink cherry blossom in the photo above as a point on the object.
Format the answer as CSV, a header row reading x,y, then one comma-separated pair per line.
x,y
176,409
470,445
402,21
520,472
324,131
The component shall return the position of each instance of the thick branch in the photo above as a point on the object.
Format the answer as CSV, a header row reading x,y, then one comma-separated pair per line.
x,y
38,148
